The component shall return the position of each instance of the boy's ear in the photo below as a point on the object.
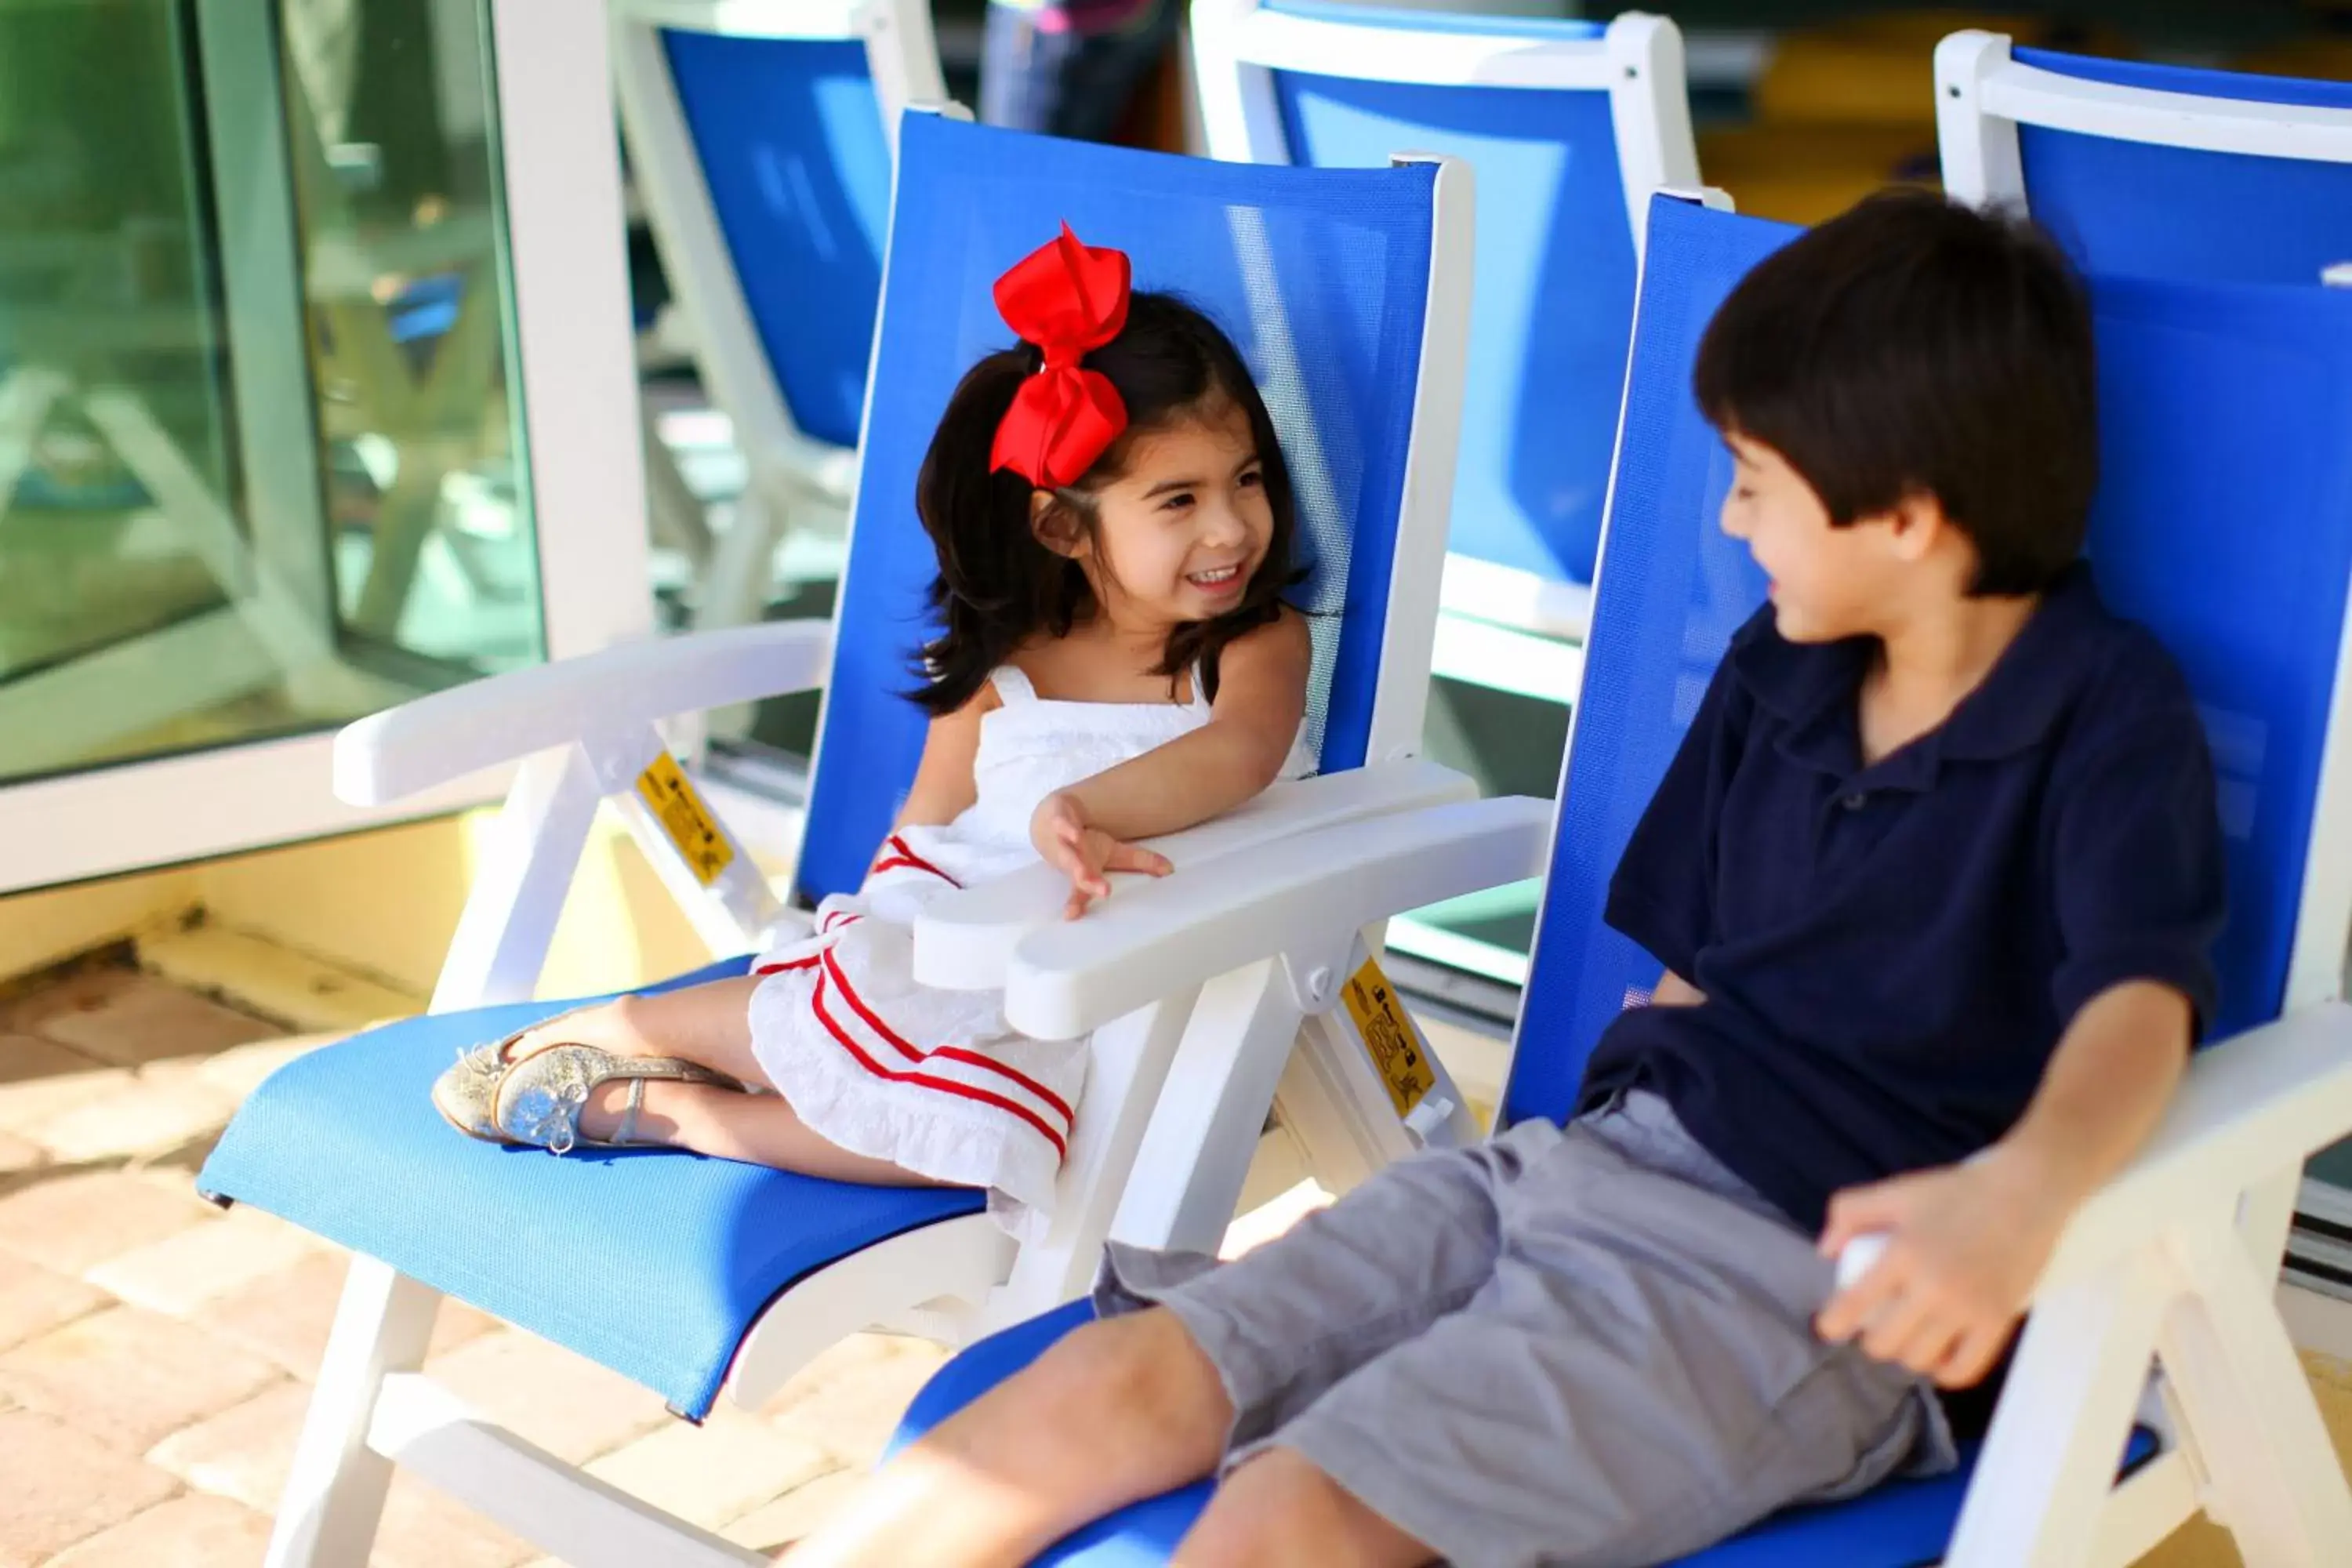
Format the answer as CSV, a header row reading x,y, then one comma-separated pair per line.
x,y
1055,525
1917,525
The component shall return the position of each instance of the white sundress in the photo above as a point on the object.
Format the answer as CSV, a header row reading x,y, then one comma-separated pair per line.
x,y
935,1082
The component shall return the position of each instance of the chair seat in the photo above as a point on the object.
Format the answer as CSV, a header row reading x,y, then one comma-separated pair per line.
x,y
651,1262
1903,1524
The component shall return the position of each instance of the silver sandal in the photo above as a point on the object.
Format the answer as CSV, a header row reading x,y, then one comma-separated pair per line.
x,y
467,1092
538,1100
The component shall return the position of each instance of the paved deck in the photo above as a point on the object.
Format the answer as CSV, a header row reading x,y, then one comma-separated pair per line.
x,y
155,1354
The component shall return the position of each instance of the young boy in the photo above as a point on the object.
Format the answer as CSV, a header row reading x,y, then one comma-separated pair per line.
x,y
1934,880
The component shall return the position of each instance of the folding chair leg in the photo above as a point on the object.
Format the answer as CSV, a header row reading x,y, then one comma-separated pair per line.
x,y
1196,1155
2039,1492
740,571
676,511
334,1493
26,396
2273,1476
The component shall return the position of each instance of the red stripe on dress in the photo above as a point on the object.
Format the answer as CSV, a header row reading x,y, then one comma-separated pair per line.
x,y
924,1080
808,963
906,857
951,1053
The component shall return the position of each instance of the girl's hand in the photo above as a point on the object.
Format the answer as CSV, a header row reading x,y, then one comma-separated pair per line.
x,y
1964,1246
1084,854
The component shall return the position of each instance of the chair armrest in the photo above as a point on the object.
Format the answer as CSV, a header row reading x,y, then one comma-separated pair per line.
x,y
448,735
965,940
2250,1105
1311,891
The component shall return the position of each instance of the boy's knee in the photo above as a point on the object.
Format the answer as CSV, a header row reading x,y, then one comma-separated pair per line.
x,y
1137,1372
1281,1509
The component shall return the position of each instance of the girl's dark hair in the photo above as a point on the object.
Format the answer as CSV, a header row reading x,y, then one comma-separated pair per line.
x,y
998,586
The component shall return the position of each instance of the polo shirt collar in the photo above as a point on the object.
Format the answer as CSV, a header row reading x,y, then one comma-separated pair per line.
x,y
1812,688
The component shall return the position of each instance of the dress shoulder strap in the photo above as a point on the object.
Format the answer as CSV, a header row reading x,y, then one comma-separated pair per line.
x,y
1011,685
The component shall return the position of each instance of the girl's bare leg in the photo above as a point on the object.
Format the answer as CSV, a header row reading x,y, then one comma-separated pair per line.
x,y
710,1026
758,1128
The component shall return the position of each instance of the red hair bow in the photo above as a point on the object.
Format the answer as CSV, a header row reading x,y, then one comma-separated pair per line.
x,y
1068,299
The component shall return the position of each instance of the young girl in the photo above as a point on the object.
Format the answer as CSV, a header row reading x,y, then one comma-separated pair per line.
x,y
1114,530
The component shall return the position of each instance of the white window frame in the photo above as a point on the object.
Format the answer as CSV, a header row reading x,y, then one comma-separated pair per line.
x,y
558,145
1983,95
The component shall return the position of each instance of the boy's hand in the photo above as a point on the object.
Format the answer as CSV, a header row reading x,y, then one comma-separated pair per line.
x,y
1084,854
1964,1246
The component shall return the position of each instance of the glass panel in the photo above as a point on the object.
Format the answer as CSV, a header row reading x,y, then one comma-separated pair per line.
x,y
259,469
1511,742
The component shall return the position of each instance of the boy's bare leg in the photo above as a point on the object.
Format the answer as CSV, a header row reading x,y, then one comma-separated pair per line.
x,y
1278,1508
1116,1411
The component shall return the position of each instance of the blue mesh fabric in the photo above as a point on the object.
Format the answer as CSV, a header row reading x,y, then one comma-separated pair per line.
x,y
1320,277
2223,523
789,139
1553,302
2194,81
1902,1524
2169,212
1672,590
653,1265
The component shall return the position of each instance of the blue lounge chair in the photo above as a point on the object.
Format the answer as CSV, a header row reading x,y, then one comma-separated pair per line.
x,y
1346,290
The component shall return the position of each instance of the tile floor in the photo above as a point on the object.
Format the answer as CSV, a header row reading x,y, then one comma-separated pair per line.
x,y
155,1352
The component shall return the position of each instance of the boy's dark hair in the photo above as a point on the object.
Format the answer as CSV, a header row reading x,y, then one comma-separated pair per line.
x,y
1914,346
997,585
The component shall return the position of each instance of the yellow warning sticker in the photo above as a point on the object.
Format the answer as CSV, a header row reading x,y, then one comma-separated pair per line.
x,y
685,819
1389,1036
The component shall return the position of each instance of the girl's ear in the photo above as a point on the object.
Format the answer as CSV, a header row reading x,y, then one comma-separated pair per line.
x,y
1055,525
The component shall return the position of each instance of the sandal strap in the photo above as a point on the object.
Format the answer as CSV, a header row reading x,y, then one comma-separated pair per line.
x,y
624,1133
544,1094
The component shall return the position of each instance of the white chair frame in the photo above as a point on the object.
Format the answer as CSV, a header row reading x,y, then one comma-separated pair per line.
x,y
1982,96
793,475
1218,1038
1497,619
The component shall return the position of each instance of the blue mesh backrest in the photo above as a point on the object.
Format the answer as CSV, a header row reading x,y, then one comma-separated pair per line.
x,y
792,145
2223,523
1553,297
1321,279
1672,591
2166,212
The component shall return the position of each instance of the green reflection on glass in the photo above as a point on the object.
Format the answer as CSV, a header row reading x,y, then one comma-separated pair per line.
x,y
260,470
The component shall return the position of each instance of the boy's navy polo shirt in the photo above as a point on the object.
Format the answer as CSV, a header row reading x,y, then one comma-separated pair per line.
x,y
1890,953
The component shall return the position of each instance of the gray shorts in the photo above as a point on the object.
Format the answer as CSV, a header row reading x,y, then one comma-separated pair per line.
x,y
1590,1347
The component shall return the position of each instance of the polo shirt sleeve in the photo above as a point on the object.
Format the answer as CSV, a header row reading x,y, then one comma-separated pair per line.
x,y
1662,895
2138,866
